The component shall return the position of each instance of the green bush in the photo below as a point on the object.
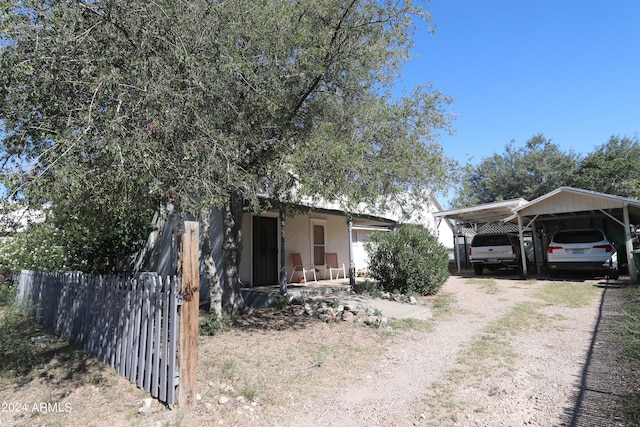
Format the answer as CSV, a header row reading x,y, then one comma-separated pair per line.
x,y
408,260
7,292
367,287
213,324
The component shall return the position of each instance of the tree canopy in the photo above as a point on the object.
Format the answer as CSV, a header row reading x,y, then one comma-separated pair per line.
x,y
119,106
528,172
612,168
540,167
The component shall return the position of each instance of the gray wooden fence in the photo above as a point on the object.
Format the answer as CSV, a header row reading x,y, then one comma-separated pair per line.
x,y
131,325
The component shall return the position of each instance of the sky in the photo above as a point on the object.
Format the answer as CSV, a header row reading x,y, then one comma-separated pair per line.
x,y
567,69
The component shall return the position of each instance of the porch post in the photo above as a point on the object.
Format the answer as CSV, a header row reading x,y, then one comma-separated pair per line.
x,y
283,254
352,266
456,244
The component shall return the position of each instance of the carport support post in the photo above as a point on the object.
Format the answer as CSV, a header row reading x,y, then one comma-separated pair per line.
x,y
535,246
629,244
523,254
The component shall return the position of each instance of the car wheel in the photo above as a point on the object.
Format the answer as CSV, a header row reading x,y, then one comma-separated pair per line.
x,y
477,268
613,274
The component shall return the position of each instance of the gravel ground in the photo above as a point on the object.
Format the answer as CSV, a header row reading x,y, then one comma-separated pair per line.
x,y
499,355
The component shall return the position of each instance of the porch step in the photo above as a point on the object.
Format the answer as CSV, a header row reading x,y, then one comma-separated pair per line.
x,y
265,296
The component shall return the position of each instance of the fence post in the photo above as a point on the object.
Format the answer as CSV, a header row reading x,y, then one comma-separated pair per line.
x,y
188,264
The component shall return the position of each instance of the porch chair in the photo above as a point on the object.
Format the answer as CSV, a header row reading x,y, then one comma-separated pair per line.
x,y
298,267
332,264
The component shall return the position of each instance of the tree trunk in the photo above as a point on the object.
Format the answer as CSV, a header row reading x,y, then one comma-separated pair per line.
x,y
210,270
232,300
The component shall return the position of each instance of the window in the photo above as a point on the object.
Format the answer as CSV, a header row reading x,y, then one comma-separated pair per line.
x,y
318,240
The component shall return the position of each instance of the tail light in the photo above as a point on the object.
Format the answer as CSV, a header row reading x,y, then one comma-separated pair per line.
x,y
550,249
607,248
513,249
470,250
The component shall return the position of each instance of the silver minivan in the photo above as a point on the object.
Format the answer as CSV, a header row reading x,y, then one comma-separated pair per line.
x,y
582,250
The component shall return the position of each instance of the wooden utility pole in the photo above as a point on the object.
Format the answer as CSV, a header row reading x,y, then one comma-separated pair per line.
x,y
188,268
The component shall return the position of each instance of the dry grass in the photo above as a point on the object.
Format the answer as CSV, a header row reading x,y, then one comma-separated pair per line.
x,y
317,359
265,360
47,381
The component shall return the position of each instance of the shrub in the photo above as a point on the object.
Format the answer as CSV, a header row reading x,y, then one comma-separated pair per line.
x,y
213,324
7,292
408,260
368,287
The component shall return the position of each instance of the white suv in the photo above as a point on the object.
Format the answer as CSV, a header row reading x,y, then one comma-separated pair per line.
x,y
582,250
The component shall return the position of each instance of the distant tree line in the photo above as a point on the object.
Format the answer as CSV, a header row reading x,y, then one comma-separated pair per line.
x,y
540,166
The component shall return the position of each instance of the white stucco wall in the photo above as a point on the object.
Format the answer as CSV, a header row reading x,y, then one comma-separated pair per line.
x,y
298,235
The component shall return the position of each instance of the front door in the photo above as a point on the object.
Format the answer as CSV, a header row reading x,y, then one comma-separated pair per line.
x,y
265,251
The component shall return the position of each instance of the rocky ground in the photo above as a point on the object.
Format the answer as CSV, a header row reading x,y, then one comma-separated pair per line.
x,y
495,352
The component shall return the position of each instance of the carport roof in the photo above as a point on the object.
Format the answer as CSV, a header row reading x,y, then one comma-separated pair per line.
x,y
488,212
570,200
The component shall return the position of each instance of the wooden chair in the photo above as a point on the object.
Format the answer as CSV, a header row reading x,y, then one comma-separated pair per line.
x,y
332,264
299,267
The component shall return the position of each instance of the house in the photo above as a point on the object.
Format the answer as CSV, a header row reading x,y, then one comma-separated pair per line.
x,y
323,228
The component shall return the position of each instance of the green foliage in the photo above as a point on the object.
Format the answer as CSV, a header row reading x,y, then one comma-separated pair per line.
x,y
16,352
528,172
569,294
630,323
111,108
39,247
368,287
214,324
281,301
7,293
139,112
540,167
91,244
409,259
613,168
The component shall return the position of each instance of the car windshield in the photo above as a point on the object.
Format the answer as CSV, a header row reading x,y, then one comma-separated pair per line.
x,y
578,236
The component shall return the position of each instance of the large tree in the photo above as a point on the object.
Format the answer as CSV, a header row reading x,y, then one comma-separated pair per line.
x,y
528,172
612,168
212,104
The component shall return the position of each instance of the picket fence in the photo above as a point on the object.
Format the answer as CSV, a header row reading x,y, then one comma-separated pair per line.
x,y
131,325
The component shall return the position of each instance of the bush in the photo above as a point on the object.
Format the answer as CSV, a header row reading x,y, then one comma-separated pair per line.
x,y
213,324
7,292
408,260
367,287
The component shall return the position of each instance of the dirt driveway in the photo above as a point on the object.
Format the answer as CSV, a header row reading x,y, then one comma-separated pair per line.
x,y
498,351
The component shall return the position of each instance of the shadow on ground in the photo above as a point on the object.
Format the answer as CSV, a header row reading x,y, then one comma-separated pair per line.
x,y
608,383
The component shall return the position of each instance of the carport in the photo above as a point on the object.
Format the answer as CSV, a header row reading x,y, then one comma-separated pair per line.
x,y
477,215
581,208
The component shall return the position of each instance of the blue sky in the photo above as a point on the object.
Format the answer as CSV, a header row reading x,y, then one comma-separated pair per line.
x,y
568,69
